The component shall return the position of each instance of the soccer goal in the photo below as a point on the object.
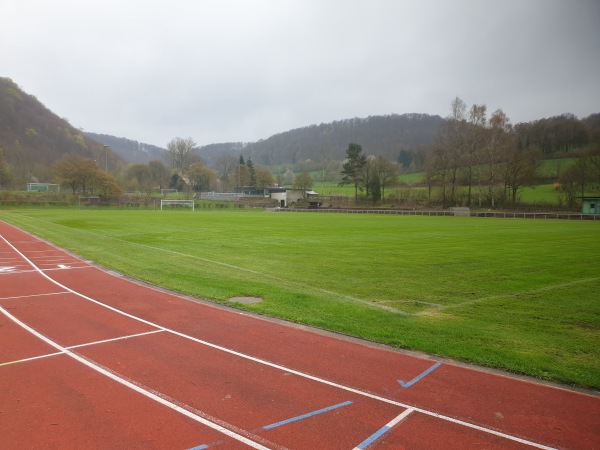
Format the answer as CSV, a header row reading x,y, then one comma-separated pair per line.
x,y
43,187
176,204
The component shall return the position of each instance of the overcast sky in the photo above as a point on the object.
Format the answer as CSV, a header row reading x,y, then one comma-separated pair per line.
x,y
243,70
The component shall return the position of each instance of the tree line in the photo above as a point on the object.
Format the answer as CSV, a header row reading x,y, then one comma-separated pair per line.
x,y
483,161
183,170
474,161
467,158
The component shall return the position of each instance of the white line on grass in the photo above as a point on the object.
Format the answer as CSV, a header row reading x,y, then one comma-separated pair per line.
x,y
250,271
265,275
511,295
269,364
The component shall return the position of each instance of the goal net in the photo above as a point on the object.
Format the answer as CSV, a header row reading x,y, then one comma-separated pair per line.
x,y
43,187
172,204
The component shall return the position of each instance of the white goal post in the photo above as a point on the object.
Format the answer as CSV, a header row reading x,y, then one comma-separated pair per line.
x,y
176,204
42,187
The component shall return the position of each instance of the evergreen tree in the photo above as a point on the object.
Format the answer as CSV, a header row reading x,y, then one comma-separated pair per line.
x,y
252,172
351,169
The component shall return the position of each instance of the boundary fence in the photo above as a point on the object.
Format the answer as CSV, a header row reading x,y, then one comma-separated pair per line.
x,y
225,196
501,215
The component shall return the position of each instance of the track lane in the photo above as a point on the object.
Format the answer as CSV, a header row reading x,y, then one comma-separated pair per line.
x,y
57,403
521,408
240,392
244,331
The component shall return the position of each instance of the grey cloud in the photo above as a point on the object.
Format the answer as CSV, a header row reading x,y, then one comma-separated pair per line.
x,y
235,70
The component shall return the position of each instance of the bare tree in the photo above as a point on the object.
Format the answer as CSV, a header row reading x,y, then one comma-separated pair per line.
x,y
226,165
159,174
439,167
180,152
519,169
499,140
457,143
326,165
386,174
366,173
138,176
474,144
450,149
240,176
593,163
570,185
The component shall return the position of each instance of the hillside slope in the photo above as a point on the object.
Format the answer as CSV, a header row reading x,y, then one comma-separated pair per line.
x,y
378,135
32,137
133,152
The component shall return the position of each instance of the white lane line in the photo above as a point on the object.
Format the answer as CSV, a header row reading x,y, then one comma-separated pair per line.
x,y
34,295
33,358
65,267
120,338
286,369
17,271
134,387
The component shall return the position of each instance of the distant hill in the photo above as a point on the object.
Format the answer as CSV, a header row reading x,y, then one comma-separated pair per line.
x,y
133,152
32,137
383,136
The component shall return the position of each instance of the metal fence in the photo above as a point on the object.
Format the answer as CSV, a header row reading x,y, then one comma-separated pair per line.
x,y
225,196
492,214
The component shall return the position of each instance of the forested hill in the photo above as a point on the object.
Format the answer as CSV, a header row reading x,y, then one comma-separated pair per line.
x,y
32,137
378,135
131,151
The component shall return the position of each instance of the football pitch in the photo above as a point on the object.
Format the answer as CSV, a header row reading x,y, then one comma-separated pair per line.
x,y
519,295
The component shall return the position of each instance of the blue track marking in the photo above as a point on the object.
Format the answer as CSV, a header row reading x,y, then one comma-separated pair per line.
x,y
384,429
200,447
304,416
418,377
373,437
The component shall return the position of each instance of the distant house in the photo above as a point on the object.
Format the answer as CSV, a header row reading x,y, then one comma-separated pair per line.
x,y
590,205
286,197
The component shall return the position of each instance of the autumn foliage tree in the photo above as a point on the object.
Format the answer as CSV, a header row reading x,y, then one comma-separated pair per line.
x,y
303,182
200,177
83,175
74,172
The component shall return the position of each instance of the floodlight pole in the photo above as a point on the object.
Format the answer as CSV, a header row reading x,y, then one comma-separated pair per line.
x,y
106,147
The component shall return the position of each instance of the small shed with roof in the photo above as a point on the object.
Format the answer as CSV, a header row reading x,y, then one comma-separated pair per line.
x,y
590,205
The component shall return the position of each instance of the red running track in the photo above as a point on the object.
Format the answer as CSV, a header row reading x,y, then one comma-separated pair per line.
x,y
92,360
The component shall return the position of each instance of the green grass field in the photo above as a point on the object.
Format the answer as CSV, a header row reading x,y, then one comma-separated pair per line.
x,y
520,295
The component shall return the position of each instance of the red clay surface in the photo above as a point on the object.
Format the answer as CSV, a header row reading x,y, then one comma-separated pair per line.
x,y
114,364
